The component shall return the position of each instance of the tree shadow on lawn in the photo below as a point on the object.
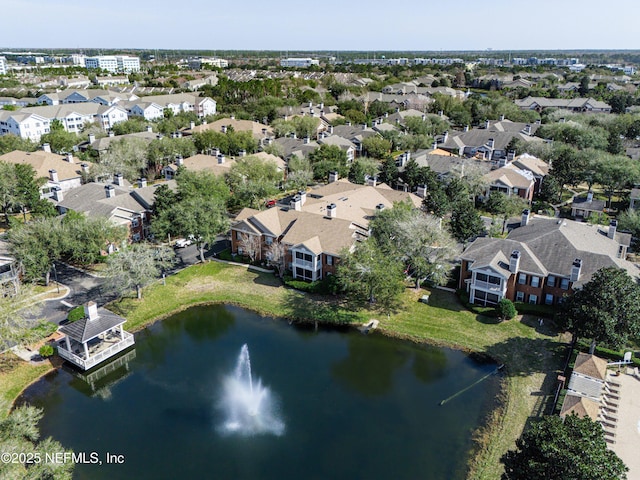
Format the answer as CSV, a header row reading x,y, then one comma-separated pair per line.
x,y
525,356
306,308
268,279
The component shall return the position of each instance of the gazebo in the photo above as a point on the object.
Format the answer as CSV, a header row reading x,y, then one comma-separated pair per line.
x,y
95,338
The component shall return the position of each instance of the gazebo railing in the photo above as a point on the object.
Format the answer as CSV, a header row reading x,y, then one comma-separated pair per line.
x,y
99,357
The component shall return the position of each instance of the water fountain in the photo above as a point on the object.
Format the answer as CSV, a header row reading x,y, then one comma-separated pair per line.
x,y
248,407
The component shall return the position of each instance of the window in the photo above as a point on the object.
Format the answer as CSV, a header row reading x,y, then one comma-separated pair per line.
x,y
533,299
519,296
136,237
551,281
268,240
548,299
304,256
535,281
329,260
522,278
135,223
481,277
564,284
238,235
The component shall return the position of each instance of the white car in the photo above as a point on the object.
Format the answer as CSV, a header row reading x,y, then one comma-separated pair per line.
x,y
182,242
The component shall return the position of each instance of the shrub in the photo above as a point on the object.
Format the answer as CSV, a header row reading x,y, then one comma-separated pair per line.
x,y
540,310
76,314
505,309
46,351
44,329
327,286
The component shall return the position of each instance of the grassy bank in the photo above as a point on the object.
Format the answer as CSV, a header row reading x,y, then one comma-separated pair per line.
x,y
531,352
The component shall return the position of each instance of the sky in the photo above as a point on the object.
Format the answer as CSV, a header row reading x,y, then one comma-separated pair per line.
x,y
288,25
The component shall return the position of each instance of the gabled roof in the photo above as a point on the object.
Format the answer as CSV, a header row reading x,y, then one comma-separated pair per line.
x,y
237,125
477,137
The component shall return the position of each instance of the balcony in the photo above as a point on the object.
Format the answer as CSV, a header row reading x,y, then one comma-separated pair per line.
x,y
306,264
489,287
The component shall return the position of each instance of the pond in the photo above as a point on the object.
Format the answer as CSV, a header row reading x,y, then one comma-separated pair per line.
x,y
333,403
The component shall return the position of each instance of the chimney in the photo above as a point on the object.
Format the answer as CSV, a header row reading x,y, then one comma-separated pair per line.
x,y
445,136
220,159
232,117
386,114
53,175
490,143
466,128
111,133
264,131
487,124
589,196
331,129
434,145
331,210
379,207
46,147
364,126
204,122
514,261
511,154
57,194
321,105
224,129
306,140
242,153
525,217
576,268
294,136
613,226
527,129
441,113
348,123
421,191
84,167
333,176
179,160
192,125
397,109
70,157
91,311
372,181
118,179
216,152
142,182
92,138
109,191
502,118
159,136
149,129
303,196
296,203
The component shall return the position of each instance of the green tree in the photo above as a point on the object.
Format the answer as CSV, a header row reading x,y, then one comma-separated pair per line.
x,y
253,181
16,311
136,266
629,220
466,222
59,139
368,275
328,158
19,433
505,309
361,168
376,147
300,173
557,449
606,309
416,241
127,156
10,142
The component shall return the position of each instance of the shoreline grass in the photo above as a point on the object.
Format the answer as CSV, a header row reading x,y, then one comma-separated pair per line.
x,y
531,353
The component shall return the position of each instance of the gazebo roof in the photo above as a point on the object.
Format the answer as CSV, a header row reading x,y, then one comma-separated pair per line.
x,y
85,329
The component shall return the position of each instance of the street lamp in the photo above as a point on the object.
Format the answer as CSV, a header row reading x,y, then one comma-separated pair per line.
x,y
55,274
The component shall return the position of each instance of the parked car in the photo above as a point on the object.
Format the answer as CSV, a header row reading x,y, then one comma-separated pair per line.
x,y
271,203
182,243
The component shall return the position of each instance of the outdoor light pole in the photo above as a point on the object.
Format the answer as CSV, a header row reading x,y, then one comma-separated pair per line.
x,y
55,274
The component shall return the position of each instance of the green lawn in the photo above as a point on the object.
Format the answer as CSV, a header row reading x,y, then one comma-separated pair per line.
x,y
531,353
